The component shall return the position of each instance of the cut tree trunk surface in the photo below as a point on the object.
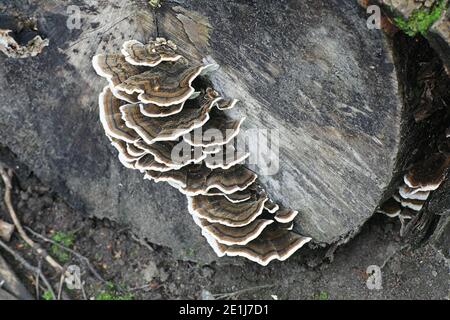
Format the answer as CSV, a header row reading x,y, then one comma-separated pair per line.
x,y
310,69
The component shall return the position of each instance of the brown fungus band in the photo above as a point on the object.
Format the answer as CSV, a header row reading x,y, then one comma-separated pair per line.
x,y
419,181
153,109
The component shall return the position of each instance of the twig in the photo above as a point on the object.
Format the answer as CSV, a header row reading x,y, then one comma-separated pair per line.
x,y
28,266
6,176
6,230
237,293
83,291
142,242
38,276
61,284
82,258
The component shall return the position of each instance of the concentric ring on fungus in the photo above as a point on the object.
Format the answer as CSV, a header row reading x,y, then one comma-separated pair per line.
x,y
153,109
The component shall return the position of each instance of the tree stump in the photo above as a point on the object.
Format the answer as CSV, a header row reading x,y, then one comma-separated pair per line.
x,y
310,69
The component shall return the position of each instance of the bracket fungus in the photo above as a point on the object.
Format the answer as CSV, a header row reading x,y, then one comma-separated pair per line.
x,y
420,180
277,241
218,209
175,129
429,174
198,179
10,47
150,54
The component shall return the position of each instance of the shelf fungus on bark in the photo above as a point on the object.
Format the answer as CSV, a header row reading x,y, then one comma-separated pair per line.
x,y
226,157
134,151
285,215
391,208
163,152
198,179
218,209
215,132
428,174
173,128
111,117
410,193
11,48
234,235
163,129
235,197
155,111
276,241
114,68
167,84
418,182
150,54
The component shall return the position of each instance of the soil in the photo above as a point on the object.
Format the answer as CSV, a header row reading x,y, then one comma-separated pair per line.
x,y
133,268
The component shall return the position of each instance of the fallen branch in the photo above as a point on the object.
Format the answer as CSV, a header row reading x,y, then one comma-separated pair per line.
x,y
6,176
38,276
83,291
28,266
6,230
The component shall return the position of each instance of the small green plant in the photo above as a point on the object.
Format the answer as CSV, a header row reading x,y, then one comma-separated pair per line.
x,y
47,295
322,295
64,238
421,19
111,293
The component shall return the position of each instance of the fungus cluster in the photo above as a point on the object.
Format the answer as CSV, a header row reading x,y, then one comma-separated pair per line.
x,y
10,47
418,182
160,113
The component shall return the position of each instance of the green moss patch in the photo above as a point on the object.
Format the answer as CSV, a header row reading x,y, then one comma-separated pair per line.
x,y
421,19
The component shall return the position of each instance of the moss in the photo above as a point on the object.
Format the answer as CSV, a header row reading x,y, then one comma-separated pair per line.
x,y
421,19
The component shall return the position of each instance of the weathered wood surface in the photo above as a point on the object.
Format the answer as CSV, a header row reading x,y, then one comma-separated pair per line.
x,y
310,68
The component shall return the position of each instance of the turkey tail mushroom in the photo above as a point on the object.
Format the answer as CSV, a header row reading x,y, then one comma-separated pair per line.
x,y
428,174
11,48
166,85
419,181
111,117
285,215
163,129
151,54
234,235
391,208
196,179
165,123
218,209
275,242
